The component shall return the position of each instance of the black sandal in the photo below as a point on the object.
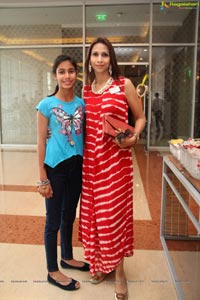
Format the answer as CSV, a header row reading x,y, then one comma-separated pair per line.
x,y
69,287
85,267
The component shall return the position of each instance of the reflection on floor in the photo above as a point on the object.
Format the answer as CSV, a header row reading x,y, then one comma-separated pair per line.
x,y
22,257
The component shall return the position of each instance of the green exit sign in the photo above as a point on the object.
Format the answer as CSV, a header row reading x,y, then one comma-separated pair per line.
x,y
101,17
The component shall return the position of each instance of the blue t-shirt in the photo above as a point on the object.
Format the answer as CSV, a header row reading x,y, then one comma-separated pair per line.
x,y
66,122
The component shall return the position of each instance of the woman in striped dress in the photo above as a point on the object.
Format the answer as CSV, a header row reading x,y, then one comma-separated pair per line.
x,y
106,217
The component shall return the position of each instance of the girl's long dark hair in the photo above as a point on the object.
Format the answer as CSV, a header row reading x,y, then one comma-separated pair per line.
x,y
113,61
59,59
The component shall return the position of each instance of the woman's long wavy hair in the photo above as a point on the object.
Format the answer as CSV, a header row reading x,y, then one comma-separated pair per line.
x,y
113,61
59,59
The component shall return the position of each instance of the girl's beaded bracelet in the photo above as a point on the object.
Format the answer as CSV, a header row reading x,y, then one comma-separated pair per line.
x,y
43,182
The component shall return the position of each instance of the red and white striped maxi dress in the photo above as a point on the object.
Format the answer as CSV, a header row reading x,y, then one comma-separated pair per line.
x,y
106,214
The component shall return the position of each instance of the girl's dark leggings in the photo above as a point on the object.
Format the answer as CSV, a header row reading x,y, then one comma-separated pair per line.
x,y
66,181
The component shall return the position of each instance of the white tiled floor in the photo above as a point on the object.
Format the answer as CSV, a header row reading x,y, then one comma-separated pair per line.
x,y
24,277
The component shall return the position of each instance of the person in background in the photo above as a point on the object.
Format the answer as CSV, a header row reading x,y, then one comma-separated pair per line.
x,y
60,168
106,211
158,111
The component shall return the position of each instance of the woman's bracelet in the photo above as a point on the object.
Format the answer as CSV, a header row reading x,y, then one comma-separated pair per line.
x,y
136,135
43,182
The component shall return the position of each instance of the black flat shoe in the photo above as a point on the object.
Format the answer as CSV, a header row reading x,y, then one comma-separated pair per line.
x,y
70,287
85,267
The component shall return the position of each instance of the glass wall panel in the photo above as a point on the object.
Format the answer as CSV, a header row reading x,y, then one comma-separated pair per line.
x,y
172,24
132,54
25,79
41,26
197,98
172,78
120,23
126,24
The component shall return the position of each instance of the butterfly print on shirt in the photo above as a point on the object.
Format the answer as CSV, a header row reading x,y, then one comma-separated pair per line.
x,y
69,121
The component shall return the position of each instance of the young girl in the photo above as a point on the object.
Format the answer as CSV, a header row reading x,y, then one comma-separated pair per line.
x,y
60,168
106,216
